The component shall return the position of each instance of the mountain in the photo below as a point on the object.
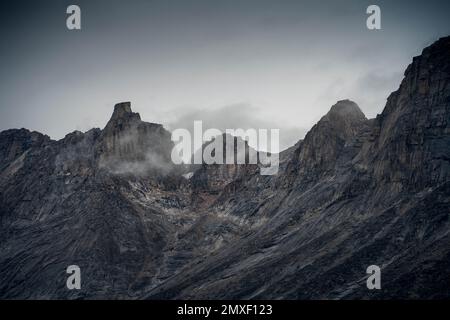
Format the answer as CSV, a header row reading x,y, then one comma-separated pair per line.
x,y
354,192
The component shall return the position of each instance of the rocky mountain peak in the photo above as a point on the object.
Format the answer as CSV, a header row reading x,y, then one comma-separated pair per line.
x,y
15,142
123,114
123,107
213,178
130,145
426,77
412,136
344,119
324,144
353,193
346,109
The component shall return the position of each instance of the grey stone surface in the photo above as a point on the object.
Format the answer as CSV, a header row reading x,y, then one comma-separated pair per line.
x,y
353,193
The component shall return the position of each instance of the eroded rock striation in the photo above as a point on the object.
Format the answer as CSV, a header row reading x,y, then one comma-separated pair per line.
x,y
353,193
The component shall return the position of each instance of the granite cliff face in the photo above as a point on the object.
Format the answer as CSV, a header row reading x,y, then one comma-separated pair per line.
x,y
355,192
129,145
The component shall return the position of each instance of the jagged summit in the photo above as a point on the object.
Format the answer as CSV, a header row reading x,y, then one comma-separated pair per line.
x,y
343,120
353,193
130,145
411,136
123,107
326,141
123,114
347,108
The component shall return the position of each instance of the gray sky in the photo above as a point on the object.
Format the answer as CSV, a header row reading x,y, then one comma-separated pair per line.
x,y
278,64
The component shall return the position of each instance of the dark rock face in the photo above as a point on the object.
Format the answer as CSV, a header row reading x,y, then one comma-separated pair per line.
x,y
128,145
323,146
411,141
213,178
353,193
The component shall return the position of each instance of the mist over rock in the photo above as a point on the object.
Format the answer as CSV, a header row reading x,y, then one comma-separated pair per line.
x,y
131,146
353,193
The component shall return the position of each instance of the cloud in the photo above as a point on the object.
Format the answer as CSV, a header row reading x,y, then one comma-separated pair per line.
x,y
133,153
369,90
373,89
237,116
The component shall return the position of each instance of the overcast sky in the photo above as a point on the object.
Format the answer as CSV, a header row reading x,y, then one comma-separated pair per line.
x,y
277,64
